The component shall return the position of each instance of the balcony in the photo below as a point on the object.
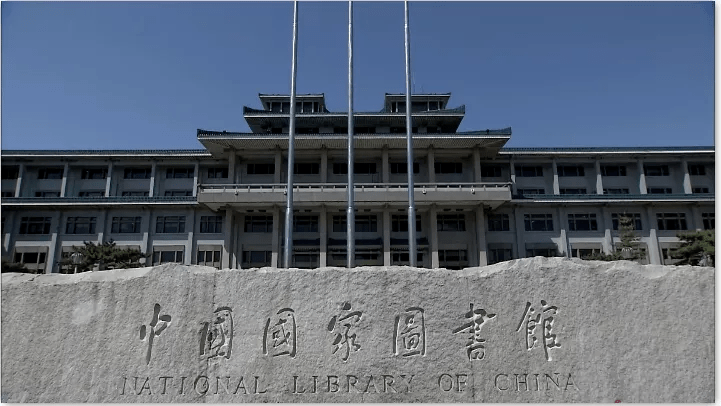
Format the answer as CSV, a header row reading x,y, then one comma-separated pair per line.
x,y
248,195
98,201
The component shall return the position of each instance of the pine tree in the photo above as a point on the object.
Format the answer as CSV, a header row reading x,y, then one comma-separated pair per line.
x,y
105,256
697,248
628,247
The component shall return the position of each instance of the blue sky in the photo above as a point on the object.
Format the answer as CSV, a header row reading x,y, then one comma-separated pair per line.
x,y
135,75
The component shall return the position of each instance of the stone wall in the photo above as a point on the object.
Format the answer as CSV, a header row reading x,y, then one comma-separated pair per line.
x,y
528,330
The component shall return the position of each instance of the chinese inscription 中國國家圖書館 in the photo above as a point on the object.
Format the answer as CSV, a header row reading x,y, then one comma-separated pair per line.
x,y
409,335
279,338
341,325
475,346
216,337
545,319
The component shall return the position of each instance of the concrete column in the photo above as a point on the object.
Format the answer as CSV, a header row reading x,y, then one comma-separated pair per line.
x,y
481,236
607,243
387,237
196,174
145,246
696,218
278,166
53,251
434,237
227,237
641,177
64,185
431,167
324,165
556,188
599,178
323,228
385,165
274,260
10,224
19,182
476,165
231,166
563,225
109,179
653,251
686,178
189,243
151,192
102,224
512,166
520,245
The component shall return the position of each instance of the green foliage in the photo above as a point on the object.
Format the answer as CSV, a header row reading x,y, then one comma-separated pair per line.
x,y
105,256
8,266
627,248
697,248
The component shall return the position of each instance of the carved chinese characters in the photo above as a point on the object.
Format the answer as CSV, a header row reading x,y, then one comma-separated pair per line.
x,y
544,318
409,335
474,347
216,337
341,325
279,338
161,322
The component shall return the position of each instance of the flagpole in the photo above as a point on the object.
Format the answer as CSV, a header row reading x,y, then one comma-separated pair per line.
x,y
291,146
350,217
409,150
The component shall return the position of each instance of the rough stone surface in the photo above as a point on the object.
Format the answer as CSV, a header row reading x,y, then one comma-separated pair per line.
x,y
612,331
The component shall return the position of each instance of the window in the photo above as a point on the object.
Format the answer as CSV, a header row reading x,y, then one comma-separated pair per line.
x,y
7,194
340,168
135,193
47,193
671,221
635,220
541,252
573,191
403,258
364,130
658,190
126,225
527,171
209,257
498,222
10,172
364,168
399,223
91,193
218,173
448,167
170,224
339,224
307,130
179,173
50,173
305,224
655,170
35,225
491,171
402,167
453,259
530,191
211,224
307,260
93,173
709,221
258,224
256,259
700,190
570,170
261,169
538,222
584,252
33,260
666,258
615,191
582,222
166,255
80,225
178,193
613,170
697,169
137,173
496,255
366,223
451,222
306,168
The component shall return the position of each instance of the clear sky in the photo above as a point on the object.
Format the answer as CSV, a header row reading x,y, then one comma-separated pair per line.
x,y
146,75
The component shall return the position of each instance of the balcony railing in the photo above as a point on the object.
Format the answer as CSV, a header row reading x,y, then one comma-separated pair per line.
x,y
376,187
99,200
675,196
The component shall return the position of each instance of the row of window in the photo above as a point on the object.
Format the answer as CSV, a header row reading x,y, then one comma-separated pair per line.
x,y
523,170
119,225
589,222
606,191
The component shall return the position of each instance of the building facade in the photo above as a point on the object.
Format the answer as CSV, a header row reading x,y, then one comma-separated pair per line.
x,y
477,202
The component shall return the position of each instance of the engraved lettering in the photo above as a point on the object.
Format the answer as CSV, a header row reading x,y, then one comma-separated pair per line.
x,y
295,385
154,332
332,383
409,335
475,345
497,384
538,388
449,380
315,383
408,382
122,392
371,382
279,338
355,380
206,385
146,384
135,384
216,337
519,382
341,325
240,386
545,319
389,383
225,386
548,377
256,386
570,382
182,381
165,382
459,382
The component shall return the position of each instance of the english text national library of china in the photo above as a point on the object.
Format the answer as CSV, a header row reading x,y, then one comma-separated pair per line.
x,y
476,202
